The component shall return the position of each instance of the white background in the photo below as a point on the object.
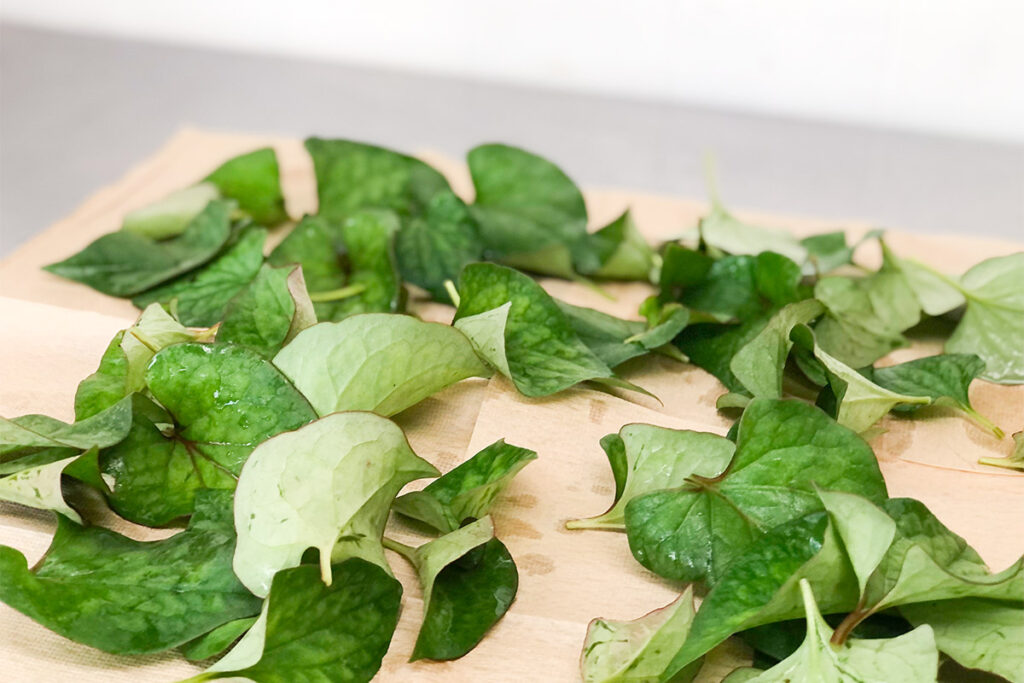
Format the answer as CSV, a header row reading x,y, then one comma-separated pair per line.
x,y
930,65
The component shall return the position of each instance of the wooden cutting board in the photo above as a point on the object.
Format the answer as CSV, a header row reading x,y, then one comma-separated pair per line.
x,y
53,333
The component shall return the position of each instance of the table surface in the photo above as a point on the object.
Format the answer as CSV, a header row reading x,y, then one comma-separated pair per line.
x,y
78,111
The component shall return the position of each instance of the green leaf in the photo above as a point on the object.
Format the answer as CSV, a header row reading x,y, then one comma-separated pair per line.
x,y
712,347
860,403
944,378
977,633
865,317
351,176
105,428
433,248
911,657
312,632
993,323
469,581
759,364
542,353
369,238
154,330
722,231
937,293
316,246
615,340
200,297
529,212
1015,459
378,362
225,399
694,532
39,486
106,386
124,263
656,458
467,491
638,650
829,251
254,181
762,586
168,217
269,312
622,251
327,486
132,597
216,641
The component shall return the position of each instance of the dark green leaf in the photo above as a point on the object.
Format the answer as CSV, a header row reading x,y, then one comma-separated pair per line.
x,y
317,633
269,312
124,263
199,298
522,332
433,248
467,491
369,238
351,176
225,399
783,448
254,181
133,597
317,246
945,379
216,641
615,340
530,213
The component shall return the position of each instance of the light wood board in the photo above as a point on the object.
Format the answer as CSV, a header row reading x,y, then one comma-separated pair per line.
x,y
52,333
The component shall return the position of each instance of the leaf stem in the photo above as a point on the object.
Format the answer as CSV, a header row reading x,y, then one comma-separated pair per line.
x,y
983,422
406,551
337,294
453,292
595,523
851,622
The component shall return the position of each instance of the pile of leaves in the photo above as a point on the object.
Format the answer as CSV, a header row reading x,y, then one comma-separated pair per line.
x,y
252,398
788,517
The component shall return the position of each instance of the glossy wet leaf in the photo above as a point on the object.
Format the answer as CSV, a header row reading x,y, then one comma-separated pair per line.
x,y
22,434
467,491
199,298
977,633
542,353
327,486
225,399
865,317
654,459
759,364
269,312
433,248
168,217
909,658
124,263
154,330
312,632
637,650
469,581
694,532
132,597
945,379
622,252
254,181
351,176
993,322
530,213
377,362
